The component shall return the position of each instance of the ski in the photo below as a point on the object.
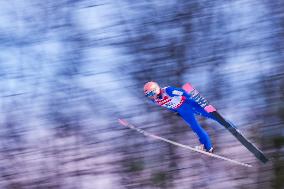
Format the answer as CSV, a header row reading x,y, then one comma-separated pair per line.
x,y
123,122
228,125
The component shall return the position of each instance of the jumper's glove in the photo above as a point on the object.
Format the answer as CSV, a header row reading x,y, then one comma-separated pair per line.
x,y
177,114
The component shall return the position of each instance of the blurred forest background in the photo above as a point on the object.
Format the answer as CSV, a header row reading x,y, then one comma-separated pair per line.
x,y
69,69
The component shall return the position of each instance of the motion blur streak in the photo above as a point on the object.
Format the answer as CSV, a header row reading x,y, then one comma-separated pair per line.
x,y
69,69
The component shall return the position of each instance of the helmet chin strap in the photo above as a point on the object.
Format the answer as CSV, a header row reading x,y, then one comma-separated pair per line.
x,y
160,93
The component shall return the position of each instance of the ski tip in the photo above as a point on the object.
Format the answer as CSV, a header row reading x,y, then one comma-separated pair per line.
x,y
248,165
123,122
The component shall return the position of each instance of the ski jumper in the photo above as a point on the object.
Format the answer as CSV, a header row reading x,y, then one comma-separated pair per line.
x,y
178,100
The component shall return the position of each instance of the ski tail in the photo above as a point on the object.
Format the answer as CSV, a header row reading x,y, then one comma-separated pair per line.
x,y
233,129
126,124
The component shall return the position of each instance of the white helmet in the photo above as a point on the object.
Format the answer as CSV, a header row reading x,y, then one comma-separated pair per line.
x,y
151,89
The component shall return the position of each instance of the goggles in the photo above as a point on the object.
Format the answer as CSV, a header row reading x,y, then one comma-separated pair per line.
x,y
150,94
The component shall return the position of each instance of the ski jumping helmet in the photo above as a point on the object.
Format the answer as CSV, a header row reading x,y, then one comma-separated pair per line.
x,y
151,89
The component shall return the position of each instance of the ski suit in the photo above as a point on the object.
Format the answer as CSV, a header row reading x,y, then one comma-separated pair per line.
x,y
178,100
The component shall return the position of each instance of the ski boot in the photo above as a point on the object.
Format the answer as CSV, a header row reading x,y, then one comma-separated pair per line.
x,y
202,148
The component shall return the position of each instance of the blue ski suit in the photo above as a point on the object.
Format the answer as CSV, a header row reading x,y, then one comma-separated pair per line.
x,y
178,100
